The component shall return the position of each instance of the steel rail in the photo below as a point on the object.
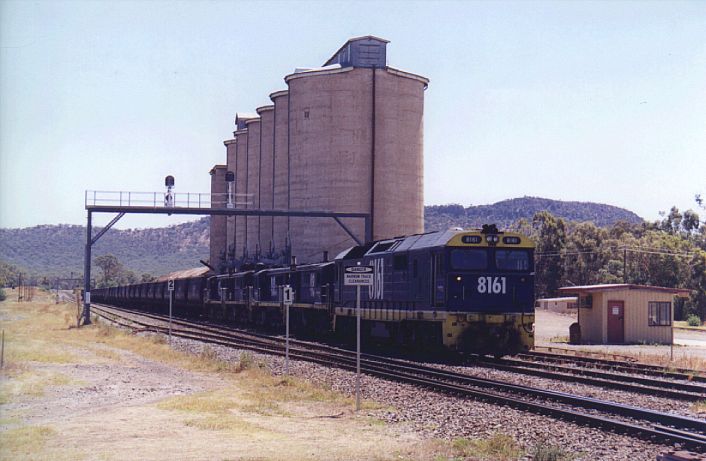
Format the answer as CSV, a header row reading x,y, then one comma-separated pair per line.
x,y
439,380
662,388
682,374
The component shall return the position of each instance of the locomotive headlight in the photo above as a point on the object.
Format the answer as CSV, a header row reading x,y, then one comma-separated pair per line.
x,y
491,238
458,278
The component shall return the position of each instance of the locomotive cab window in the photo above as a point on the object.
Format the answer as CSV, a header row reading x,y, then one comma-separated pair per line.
x,y
512,260
469,260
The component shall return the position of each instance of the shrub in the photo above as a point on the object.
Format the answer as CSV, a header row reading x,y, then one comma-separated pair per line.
x,y
3,296
693,321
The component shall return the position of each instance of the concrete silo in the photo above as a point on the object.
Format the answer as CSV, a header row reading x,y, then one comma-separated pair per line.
x,y
398,207
265,190
252,186
241,177
355,145
231,156
281,167
218,223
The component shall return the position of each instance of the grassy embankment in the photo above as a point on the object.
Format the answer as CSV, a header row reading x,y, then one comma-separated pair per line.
x,y
244,411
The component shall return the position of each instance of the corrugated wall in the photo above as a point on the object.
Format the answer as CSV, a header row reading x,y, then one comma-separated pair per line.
x,y
637,328
594,322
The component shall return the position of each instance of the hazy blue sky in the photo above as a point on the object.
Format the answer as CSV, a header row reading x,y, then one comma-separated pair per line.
x,y
601,101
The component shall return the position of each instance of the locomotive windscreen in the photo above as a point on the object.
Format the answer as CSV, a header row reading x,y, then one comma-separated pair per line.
x,y
512,260
469,260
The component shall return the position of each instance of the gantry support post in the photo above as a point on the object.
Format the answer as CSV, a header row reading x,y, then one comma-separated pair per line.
x,y
90,240
87,272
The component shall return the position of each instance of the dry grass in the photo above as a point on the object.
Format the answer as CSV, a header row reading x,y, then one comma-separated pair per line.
x,y
699,407
30,384
680,361
24,442
498,447
251,405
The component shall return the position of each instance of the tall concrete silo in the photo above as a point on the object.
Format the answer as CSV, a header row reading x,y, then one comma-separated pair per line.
x,y
252,230
281,167
265,190
231,156
398,207
329,152
218,223
355,146
241,178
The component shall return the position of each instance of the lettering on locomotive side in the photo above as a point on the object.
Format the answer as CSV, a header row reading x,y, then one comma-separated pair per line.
x,y
376,290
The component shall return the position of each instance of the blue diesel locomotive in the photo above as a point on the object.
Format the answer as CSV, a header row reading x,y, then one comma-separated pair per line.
x,y
463,290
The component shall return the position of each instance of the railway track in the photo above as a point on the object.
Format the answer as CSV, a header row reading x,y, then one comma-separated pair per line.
x,y
677,390
677,374
609,416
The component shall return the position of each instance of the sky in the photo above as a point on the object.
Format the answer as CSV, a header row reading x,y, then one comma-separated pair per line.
x,y
586,101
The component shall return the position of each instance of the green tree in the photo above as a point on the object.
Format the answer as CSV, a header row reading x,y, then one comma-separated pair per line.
x,y
550,240
690,222
588,263
111,268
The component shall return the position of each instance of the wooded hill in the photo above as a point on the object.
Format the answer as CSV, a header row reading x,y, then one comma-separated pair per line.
x,y
507,212
57,250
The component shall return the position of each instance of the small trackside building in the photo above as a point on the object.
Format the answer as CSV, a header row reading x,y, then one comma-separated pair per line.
x,y
560,305
625,313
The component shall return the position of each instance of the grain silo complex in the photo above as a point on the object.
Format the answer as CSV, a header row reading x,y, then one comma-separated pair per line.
x,y
344,137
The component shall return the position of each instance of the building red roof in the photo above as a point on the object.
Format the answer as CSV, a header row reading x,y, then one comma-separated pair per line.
x,y
621,286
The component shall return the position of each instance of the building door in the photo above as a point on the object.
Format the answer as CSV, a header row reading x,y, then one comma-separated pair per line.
x,y
616,322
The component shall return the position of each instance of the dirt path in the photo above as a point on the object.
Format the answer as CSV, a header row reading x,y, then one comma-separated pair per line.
x,y
96,393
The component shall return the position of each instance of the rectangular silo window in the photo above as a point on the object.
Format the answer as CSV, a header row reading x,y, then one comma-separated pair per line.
x,y
306,114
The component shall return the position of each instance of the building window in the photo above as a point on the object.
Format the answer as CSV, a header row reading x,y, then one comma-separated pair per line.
x,y
659,314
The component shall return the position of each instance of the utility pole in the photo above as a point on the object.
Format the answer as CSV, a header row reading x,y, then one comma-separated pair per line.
x,y
625,265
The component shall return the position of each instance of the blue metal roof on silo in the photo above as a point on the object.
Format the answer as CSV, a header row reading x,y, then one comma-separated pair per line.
x,y
367,51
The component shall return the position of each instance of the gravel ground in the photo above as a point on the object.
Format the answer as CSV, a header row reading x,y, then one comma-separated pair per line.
x,y
439,416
